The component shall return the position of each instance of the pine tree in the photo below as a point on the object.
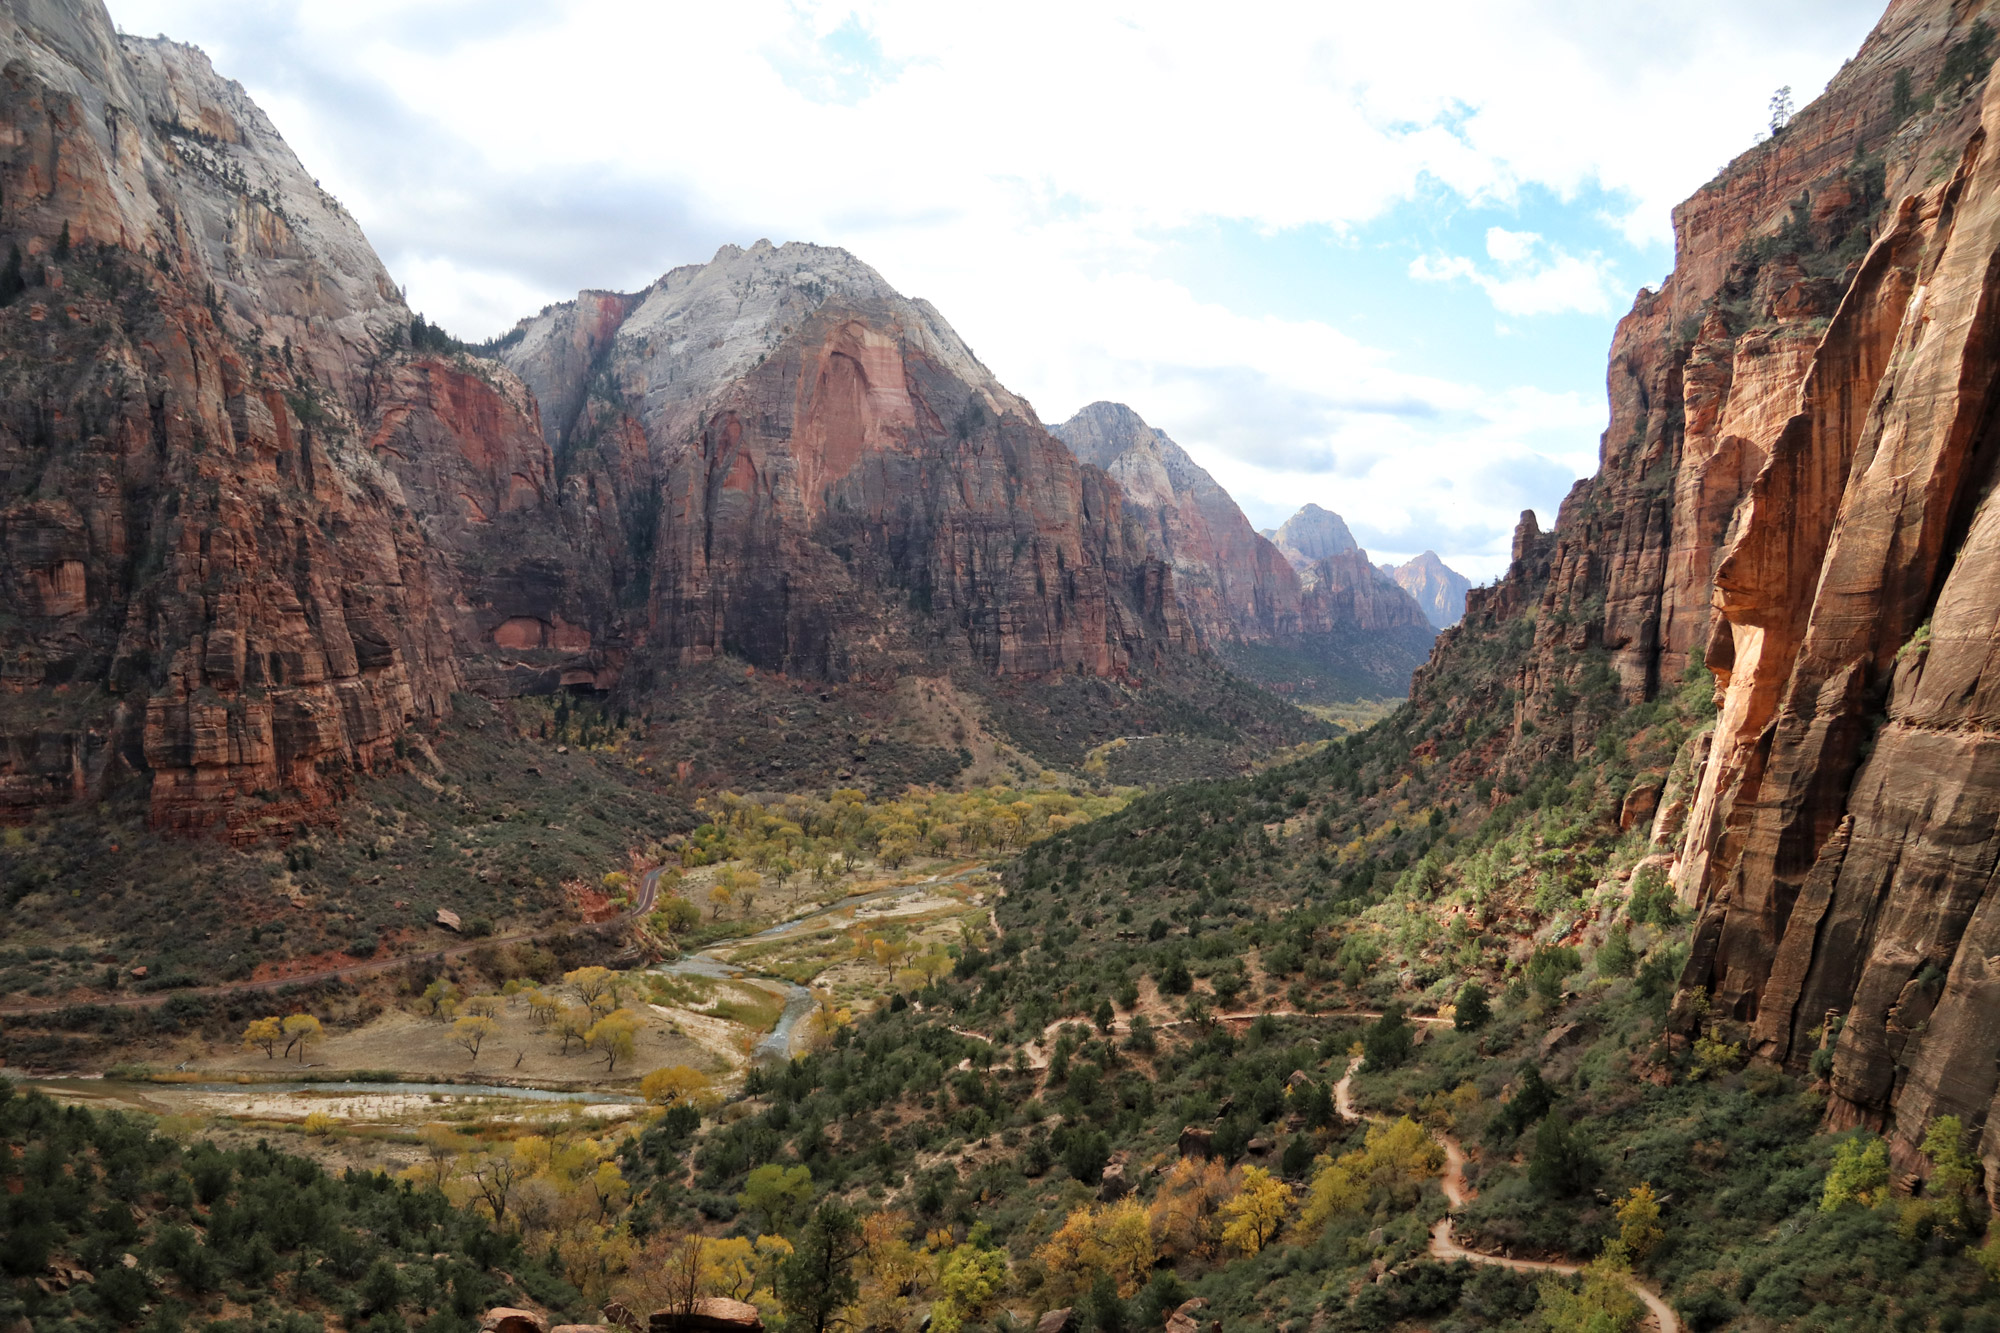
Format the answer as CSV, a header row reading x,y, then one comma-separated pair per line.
x,y
62,243
12,283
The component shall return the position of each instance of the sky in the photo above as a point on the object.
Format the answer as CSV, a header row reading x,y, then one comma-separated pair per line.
x,y
1342,252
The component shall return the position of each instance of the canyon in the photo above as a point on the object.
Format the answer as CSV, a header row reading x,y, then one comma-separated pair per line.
x,y
258,527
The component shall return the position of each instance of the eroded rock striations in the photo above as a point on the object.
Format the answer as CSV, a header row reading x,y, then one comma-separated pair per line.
x,y
258,524
1797,492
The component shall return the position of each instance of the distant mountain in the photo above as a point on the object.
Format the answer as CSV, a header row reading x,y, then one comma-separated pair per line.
x,y
1439,589
1328,627
1313,534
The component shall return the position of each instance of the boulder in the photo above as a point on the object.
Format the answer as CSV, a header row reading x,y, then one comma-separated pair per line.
x,y
1186,1317
1056,1321
1114,1185
1197,1142
507,1319
1641,801
447,918
711,1314
1259,1147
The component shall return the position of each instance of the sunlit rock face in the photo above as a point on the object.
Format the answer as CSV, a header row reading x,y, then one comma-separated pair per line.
x,y
1795,493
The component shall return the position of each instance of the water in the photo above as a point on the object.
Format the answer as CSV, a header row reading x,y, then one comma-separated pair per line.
x,y
799,1001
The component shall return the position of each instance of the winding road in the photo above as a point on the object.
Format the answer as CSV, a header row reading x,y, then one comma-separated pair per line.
x,y
649,885
1444,1242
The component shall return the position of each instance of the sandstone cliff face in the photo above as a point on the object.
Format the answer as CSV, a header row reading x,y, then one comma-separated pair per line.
x,y
815,474
1334,625
1797,491
1438,588
248,539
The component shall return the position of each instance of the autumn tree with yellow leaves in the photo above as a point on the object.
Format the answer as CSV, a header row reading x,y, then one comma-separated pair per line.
x,y
1115,1239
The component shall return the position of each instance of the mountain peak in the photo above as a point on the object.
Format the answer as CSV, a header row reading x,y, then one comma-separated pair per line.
x,y
1314,534
1439,589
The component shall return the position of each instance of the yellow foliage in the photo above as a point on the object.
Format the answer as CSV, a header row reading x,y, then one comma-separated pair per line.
x,y
319,1124
1187,1212
1115,1239
1396,1157
1257,1212
1603,1305
264,1033
673,1084
1639,1225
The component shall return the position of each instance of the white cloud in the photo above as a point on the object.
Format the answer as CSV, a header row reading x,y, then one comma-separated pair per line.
x,y
1529,283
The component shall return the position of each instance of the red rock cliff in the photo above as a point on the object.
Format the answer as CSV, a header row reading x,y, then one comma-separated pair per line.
x,y
1797,490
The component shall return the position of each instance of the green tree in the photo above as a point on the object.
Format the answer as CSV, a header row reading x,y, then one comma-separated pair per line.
x,y
1387,1043
1547,969
382,1289
816,1281
1475,1010
969,1281
1617,957
780,1193
1561,1164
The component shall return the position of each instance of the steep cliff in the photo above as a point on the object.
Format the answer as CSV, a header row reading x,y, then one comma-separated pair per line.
x,y
815,474
1233,584
1796,492
1439,589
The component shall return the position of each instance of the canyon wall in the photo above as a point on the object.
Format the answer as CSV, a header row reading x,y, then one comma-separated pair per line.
x,y
1796,496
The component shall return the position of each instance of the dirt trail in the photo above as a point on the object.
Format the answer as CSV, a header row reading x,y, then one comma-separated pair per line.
x,y
648,890
1444,1243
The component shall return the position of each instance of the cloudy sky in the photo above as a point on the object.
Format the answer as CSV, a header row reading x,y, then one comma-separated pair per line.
x,y
1361,254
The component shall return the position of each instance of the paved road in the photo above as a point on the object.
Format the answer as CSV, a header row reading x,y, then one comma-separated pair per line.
x,y
649,885
1444,1243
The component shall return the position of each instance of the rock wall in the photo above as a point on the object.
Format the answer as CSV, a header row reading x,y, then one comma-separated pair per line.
x,y
1796,492
248,538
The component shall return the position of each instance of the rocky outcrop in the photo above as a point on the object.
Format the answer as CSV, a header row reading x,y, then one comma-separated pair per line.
x,y
1438,588
1328,626
1796,493
190,533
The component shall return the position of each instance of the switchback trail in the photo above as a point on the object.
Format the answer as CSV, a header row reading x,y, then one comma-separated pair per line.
x,y
1444,1243
649,885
